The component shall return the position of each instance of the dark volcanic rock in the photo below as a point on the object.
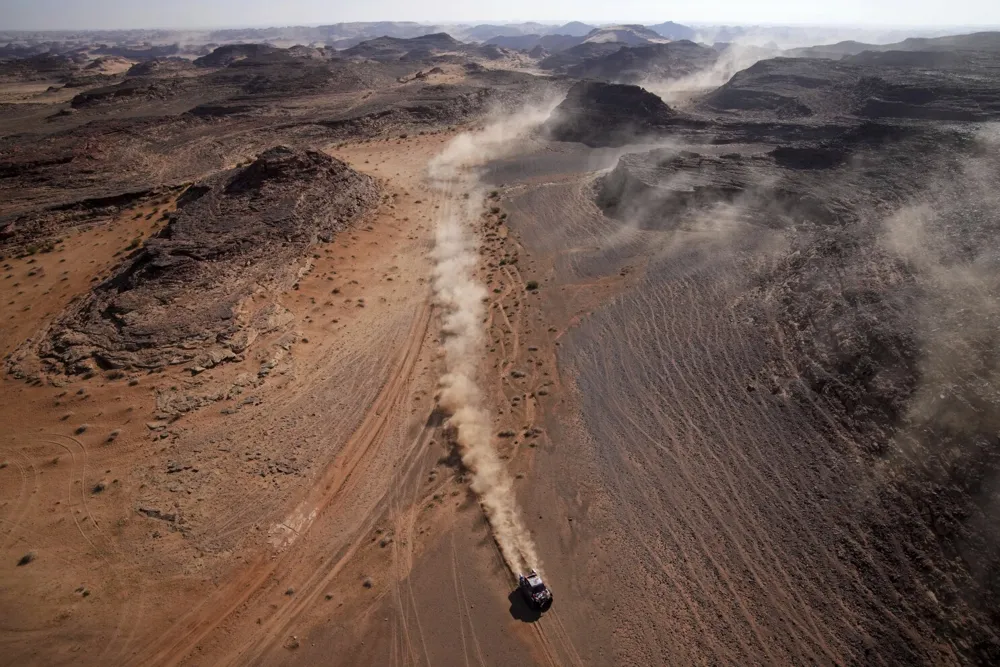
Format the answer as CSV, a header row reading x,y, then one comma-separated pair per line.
x,y
664,189
577,54
160,67
145,53
882,291
543,44
983,42
426,105
43,64
787,88
672,30
607,114
129,89
930,59
824,183
656,61
200,289
231,53
393,48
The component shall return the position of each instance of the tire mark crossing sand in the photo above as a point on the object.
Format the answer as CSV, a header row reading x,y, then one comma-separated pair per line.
x,y
205,618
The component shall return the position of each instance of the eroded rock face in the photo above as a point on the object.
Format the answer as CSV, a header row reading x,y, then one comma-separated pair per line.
x,y
201,290
608,114
656,61
879,86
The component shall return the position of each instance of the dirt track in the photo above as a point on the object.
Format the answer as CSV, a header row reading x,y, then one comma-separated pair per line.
x,y
268,571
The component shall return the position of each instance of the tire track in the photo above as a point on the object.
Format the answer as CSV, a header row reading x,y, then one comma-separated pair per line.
x,y
207,616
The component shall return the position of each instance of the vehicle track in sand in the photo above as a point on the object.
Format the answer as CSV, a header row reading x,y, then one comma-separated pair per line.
x,y
128,590
337,479
731,502
25,489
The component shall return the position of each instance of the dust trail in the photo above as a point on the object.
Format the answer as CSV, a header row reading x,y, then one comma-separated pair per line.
x,y
463,300
682,90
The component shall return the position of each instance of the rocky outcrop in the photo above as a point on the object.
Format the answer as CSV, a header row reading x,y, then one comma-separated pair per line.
x,y
231,53
201,290
575,55
417,48
792,88
130,89
160,67
664,189
606,114
652,62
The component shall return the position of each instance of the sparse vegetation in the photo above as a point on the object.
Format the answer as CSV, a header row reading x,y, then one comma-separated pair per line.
x,y
531,285
27,558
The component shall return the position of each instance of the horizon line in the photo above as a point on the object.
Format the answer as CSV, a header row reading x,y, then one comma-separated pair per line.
x,y
597,24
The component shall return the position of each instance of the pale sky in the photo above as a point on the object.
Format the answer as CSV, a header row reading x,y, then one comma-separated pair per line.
x,y
108,14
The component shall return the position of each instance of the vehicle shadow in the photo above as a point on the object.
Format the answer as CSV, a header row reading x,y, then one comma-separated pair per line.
x,y
521,610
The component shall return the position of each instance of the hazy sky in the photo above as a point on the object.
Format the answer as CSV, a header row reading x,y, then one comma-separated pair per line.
x,y
80,14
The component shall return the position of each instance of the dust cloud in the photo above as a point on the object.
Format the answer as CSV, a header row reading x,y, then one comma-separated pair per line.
x,y
946,242
463,301
736,57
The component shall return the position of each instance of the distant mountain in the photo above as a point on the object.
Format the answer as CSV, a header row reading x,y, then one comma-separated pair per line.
x,y
573,29
333,34
393,48
632,35
577,54
481,33
537,28
230,53
142,53
633,64
522,42
551,43
402,29
672,30
423,48
978,41
831,51
941,60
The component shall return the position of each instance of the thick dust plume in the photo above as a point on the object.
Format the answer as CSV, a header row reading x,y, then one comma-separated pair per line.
x,y
463,300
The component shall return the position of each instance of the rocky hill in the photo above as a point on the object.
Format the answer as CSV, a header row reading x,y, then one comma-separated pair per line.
x,y
604,114
633,35
979,41
784,88
393,48
639,63
199,291
672,30
575,55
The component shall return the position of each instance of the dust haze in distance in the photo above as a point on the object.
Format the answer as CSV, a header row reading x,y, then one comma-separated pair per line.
x,y
463,301
736,57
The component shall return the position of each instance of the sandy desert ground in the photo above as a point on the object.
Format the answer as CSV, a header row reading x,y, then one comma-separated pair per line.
x,y
706,361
